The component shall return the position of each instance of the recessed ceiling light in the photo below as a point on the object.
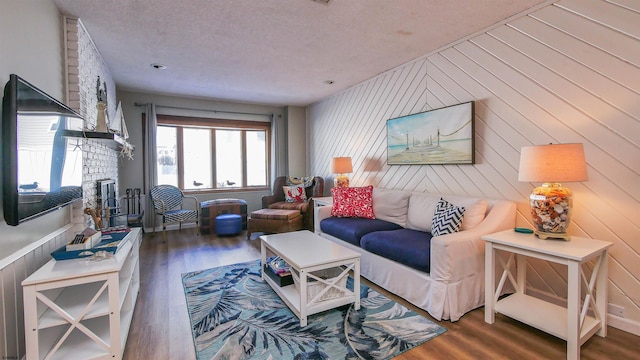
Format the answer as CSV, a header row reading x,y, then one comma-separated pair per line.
x,y
329,82
158,66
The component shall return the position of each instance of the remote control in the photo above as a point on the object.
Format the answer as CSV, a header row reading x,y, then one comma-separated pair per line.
x,y
523,230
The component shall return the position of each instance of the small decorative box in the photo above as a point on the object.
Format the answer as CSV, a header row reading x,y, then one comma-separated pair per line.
x,y
85,240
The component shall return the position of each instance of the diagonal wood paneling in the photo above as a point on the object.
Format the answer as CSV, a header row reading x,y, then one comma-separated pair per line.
x,y
566,72
12,273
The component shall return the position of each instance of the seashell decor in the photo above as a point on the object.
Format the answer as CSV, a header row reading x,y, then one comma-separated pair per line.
x,y
551,208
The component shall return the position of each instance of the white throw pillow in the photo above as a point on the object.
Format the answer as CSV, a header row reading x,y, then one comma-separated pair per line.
x,y
475,210
391,205
421,209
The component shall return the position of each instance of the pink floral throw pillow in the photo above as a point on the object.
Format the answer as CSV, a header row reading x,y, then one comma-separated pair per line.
x,y
294,193
353,202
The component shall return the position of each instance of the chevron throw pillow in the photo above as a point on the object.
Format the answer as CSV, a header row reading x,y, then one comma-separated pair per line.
x,y
447,218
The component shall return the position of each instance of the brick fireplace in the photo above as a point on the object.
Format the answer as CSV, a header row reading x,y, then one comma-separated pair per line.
x,y
84,68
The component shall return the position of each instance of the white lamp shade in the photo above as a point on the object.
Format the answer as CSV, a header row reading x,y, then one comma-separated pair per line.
x,y
341,165
552,163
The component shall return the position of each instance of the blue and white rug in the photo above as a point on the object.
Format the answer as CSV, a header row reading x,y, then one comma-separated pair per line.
x,y
236,315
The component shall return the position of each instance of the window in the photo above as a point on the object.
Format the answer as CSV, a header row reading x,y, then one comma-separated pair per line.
x,y
202,154
167,145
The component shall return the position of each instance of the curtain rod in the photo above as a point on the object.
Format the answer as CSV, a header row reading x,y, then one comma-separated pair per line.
x,y
208,110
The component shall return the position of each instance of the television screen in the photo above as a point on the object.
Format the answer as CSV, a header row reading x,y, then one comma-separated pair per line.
x,y
43,168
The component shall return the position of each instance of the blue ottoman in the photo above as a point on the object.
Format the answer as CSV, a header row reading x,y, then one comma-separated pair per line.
x,y
228,224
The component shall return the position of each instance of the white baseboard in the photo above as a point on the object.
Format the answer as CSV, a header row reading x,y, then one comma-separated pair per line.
x,y
623,324
617,322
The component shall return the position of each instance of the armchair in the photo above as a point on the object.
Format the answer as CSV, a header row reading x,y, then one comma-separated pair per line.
x,y
168,202
277,199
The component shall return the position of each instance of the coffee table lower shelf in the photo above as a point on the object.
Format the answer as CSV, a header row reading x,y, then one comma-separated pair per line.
x,y
291,296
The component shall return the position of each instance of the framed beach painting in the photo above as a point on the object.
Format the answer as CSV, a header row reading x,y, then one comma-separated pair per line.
x,y
442,136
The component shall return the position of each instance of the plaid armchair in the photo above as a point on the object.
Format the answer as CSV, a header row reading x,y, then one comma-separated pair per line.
x,y
277,199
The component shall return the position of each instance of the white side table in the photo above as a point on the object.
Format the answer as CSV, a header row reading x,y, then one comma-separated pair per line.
x,y
322,201
572,323
318,203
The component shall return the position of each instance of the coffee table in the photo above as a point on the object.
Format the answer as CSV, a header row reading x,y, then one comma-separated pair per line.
x,y
308,253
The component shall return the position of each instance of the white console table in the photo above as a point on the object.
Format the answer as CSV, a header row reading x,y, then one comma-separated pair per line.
x,y
573,323
80,309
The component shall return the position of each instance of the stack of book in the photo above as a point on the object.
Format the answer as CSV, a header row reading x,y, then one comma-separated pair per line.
x,y
116,229
112,240
279,271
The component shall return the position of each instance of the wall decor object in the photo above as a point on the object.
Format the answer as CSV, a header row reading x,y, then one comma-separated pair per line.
x,y
120,118
443,136
101,106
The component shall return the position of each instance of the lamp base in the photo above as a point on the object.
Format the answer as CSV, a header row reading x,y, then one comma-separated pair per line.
x,y
341,181
551,206
547,235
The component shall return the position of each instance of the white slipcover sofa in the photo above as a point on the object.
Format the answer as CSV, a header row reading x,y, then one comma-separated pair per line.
x,y
455,283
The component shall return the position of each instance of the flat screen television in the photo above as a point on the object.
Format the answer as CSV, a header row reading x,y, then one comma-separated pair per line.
x,y
42,169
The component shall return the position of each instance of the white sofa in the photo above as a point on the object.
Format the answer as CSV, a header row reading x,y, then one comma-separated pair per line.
x,y
455,283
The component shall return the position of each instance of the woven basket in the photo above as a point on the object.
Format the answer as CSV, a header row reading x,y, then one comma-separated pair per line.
x,y
314,287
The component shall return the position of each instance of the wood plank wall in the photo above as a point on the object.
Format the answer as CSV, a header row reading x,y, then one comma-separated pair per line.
x,y
12,275
565,72
16,268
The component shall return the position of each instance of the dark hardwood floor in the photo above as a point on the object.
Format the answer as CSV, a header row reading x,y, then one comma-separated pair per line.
x,y
160,327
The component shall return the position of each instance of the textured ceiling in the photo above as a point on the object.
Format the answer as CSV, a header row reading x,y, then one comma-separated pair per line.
x,y
277,52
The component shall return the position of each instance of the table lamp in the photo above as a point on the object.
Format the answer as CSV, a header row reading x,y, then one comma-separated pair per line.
x,y
341,166
551,204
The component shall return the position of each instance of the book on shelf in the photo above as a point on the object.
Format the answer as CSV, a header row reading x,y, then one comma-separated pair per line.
x,y
282,273
113,240
116,229
278,271
278,266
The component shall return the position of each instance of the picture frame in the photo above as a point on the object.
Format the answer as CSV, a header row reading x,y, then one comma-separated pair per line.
x,y
443,136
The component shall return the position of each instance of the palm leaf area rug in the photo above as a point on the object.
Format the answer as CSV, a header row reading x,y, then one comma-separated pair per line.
x,y
236,315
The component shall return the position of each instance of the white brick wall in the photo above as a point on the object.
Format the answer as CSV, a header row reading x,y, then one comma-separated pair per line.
x,y
84,65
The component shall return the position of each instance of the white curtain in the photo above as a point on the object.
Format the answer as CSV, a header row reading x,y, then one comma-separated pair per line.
x,y
275,149
150,171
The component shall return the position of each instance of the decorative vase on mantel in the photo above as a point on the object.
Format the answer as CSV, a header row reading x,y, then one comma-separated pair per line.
x,y
101,122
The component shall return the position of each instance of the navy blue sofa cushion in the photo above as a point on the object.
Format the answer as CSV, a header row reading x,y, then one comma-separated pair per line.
x,y
352,229
406,246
